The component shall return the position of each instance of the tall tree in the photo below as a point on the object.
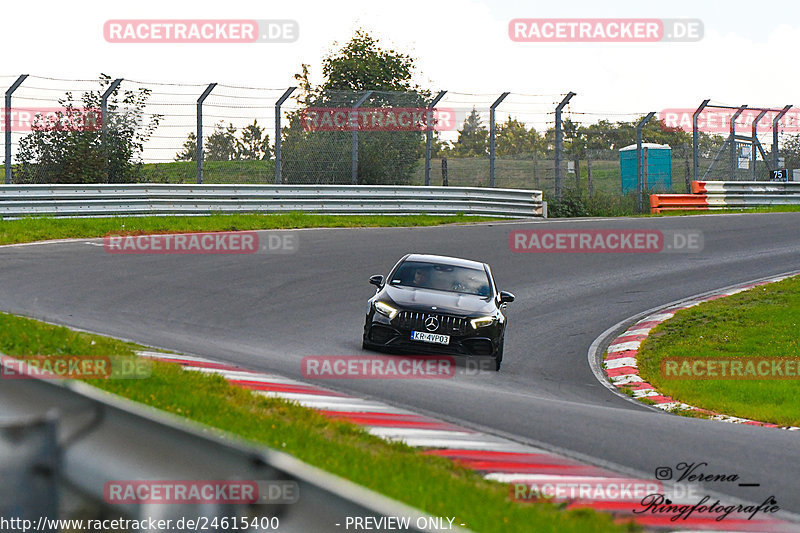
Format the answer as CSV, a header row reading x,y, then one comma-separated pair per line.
x,y
52,153
514,139
384,157
473,138
254,142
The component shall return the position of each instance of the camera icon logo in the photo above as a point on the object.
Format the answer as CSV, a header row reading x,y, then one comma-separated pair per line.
x,y
663,473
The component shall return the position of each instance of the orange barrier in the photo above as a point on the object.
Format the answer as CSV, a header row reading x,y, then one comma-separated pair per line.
x,y
699,187
678,202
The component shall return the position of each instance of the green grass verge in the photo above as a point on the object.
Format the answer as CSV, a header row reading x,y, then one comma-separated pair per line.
x,y
761,322
432,484
42,228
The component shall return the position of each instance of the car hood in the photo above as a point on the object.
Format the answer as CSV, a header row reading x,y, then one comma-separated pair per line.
x,y
453,303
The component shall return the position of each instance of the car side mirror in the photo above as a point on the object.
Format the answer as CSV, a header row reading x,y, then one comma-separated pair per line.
x,y
376,280
506,297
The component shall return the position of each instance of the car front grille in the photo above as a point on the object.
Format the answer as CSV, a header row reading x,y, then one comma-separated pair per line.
x,y
447,325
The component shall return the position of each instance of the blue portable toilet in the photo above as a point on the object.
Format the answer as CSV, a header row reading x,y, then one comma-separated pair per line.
x,y
658,173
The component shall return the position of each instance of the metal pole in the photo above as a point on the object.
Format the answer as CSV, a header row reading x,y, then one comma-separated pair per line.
x,y
753,144
775,121
278,158
696,139
354,149
429,136
559,140
104,122
9,92
733,140
199,137
639,184
492,131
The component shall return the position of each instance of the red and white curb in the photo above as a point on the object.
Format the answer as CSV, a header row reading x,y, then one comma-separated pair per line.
x,y
496,458
621,367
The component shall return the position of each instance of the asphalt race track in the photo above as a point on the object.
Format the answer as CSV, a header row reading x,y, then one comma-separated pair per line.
x,y
267,312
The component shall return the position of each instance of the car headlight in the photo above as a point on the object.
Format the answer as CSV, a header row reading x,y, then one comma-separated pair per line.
x,y
386,309
482,321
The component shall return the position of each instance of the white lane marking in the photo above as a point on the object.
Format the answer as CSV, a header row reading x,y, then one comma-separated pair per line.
x,y
400,433
658,317
624,379
641,331
624,346
619,363
504,477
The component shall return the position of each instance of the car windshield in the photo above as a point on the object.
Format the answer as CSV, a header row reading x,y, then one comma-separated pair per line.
x,y
442,278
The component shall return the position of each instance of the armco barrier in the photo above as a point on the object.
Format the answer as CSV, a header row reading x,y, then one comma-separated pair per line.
x,y
728,195
58,434
180,199
677,202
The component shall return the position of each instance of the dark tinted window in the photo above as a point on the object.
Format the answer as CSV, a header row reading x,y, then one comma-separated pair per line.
x,y
442,278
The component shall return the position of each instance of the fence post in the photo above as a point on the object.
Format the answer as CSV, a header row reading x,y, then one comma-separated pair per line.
x,y
199,135
492,131
104,122
687,178
753,144
589,182
354,148
775,121
444,172
9,92
559,140
734,155
639,184
429,135
278,157
696,139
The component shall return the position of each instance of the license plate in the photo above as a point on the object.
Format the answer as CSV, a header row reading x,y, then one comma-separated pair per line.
x,y
433,338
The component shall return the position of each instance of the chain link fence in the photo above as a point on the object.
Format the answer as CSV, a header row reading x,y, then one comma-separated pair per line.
x,y
155,132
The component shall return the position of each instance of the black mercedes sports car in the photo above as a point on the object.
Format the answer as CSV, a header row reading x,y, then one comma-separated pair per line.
x,y
437,304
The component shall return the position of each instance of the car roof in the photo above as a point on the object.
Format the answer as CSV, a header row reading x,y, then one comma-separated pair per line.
x,y
445,260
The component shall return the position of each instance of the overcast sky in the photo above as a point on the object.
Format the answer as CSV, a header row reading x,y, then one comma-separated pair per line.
x,y
747,54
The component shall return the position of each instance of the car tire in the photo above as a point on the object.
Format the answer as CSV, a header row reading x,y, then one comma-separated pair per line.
x,y
498,358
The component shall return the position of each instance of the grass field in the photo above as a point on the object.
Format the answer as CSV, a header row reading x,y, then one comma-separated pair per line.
x,y
759,323
433,484
43,228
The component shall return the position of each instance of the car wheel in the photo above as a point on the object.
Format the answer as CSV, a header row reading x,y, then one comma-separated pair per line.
x,y
498,358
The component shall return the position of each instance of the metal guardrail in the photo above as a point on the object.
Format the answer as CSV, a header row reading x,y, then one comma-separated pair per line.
x,y
68,434
187,199
728,195
746,187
